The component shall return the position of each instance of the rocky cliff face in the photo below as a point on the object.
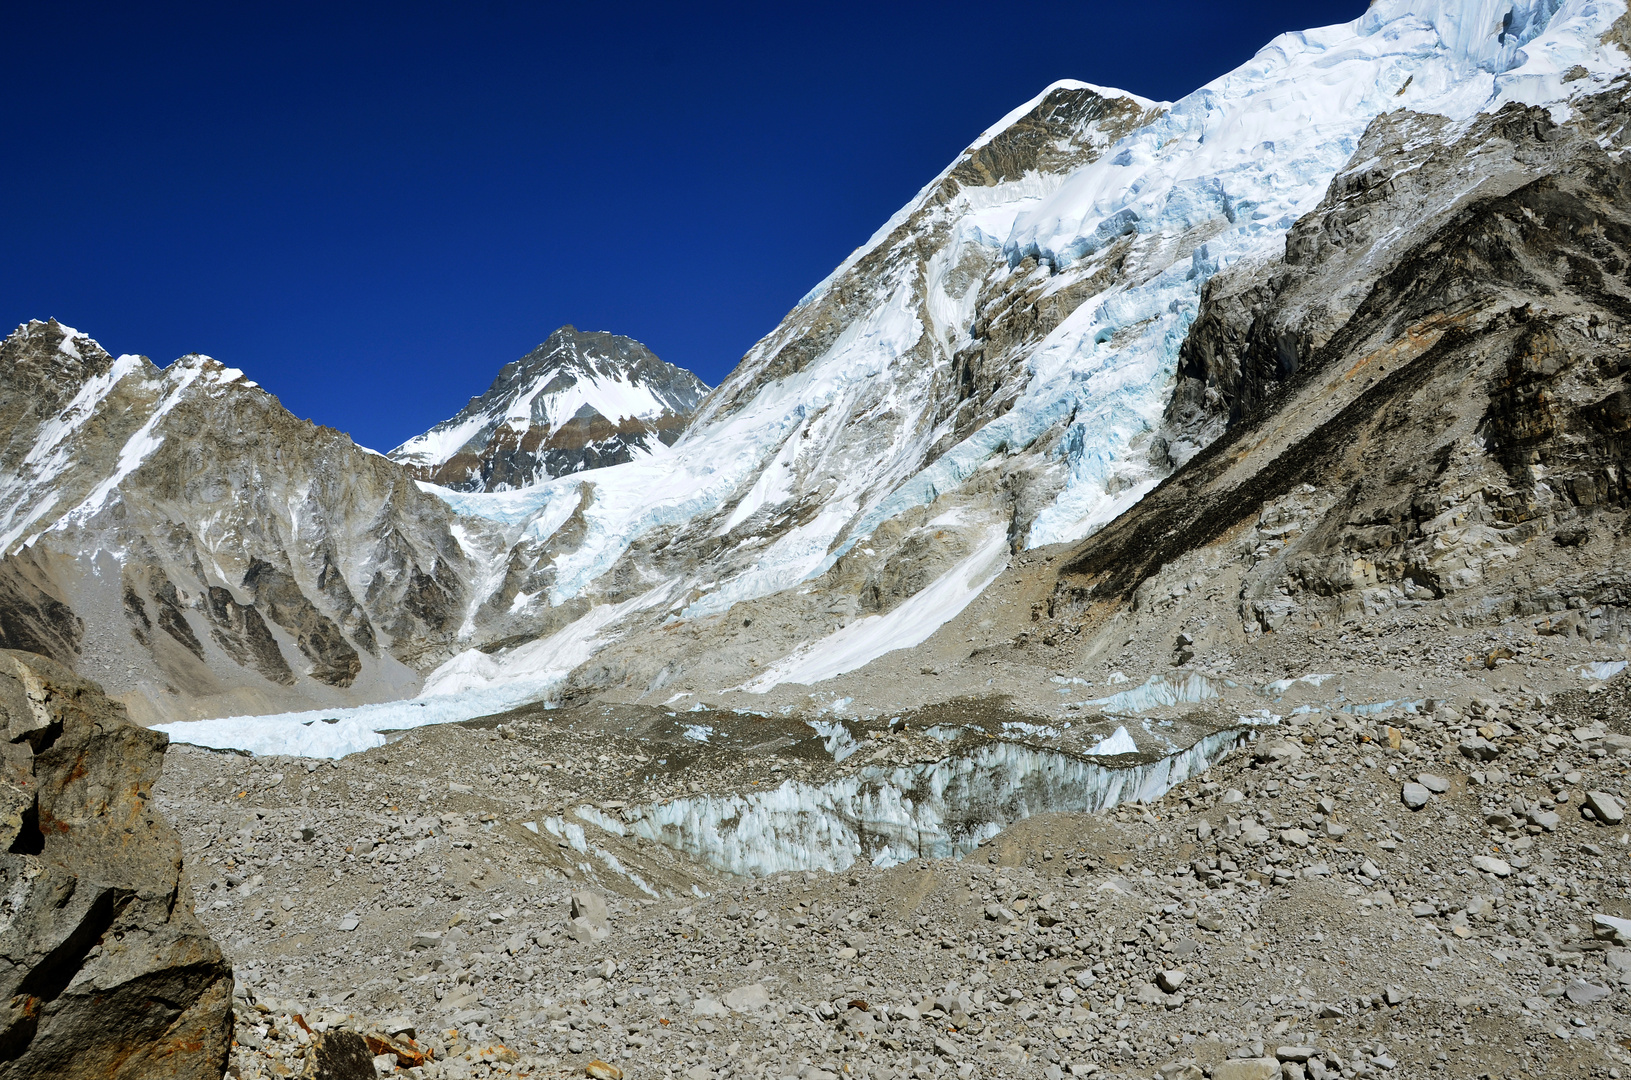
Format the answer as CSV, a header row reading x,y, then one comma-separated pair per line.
x,y
104,969
581,400
180,536
1423,402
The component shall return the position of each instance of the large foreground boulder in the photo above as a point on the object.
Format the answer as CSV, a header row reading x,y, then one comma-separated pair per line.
x,y
105,970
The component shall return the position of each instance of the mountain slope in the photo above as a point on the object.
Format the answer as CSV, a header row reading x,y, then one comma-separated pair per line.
x,y
178,535
1028,349
998,361
1424,401
578,401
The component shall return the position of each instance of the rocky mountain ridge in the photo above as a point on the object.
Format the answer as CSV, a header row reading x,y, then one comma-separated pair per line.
x,y
178,535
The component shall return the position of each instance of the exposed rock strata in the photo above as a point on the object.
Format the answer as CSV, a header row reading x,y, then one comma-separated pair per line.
x,y
104,969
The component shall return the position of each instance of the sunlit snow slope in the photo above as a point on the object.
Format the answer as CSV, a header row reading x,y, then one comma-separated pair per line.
x,y
997,357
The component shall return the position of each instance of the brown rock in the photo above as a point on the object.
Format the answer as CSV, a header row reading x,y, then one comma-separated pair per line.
x,y
104,969
339,1055
600,1070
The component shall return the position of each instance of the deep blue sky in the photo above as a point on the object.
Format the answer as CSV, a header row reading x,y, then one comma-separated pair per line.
x,y
371,210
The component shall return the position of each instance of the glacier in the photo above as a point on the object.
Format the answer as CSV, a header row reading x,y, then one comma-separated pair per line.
x,y
907,626
886,816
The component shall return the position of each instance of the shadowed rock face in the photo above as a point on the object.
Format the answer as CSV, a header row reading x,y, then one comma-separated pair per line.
x,y
104,969
581,400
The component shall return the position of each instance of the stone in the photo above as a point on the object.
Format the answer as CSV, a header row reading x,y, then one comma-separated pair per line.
x,y
1479,748
1489,864
339,1055
1415,796
399,1026
584,932
1586,993
1281,752
750,998
1610,928
709,1007
99,925
1181,1070
427,940
1252,834
1170,981
1149,994
1605,807
1299,1054
1263,1068
1295,837
601,1070
588,905
1438,785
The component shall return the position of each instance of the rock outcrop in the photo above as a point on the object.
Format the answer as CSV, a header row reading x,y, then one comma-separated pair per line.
x,y
105,970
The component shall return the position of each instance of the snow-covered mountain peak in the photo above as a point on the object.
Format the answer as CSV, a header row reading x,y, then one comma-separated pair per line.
x,y
581,400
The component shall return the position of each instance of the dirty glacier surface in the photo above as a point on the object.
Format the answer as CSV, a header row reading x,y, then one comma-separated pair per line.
x,y
887,816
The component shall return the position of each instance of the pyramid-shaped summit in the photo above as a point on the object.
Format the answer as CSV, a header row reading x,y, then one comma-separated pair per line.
x,y
581,400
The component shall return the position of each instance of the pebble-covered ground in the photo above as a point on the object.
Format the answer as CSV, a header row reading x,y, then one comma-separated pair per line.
x,y
1396,894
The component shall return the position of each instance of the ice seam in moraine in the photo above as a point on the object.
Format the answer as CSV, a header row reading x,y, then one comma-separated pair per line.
x,y
889,815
